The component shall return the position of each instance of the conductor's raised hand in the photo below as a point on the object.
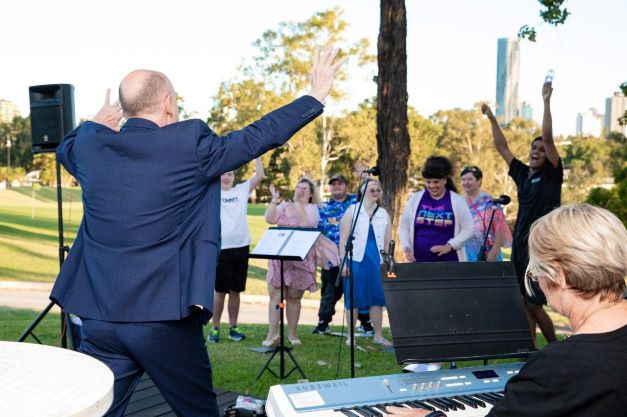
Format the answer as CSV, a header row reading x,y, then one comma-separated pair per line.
x,y
110,114
325,65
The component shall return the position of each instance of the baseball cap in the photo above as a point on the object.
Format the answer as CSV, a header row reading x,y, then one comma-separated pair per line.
x,y
338,177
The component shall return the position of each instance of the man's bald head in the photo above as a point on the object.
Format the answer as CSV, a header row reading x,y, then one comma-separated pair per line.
x,y
142,92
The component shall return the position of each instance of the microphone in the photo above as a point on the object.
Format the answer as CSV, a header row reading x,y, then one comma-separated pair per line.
x,y
391,261
503,200
372,171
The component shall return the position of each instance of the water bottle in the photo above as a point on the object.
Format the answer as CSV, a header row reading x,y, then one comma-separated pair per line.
x,y
549,77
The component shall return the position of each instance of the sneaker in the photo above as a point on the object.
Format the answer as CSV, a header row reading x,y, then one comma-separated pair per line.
x,y
321,328
383,342
235,335
214,335
366,328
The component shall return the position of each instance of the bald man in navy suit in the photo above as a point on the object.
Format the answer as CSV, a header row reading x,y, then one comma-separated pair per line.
x,y
141,272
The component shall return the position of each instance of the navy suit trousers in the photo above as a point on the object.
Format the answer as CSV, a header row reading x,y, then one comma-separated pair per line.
x,y
173,353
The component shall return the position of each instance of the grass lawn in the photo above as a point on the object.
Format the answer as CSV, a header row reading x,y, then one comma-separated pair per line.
x,y
28,252
235,367
29,234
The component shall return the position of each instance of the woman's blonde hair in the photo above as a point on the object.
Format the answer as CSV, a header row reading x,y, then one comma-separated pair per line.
x,y
362,190
314,195
588,243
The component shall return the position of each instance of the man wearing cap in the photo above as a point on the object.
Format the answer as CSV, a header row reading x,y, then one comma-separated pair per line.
x,y
331,213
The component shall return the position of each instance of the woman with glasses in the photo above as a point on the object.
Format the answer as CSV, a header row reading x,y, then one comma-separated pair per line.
x,y
373,232
436,222
298,276
578,256
481,207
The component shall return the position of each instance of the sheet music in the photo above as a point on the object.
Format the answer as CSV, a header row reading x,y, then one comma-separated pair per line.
x,y
272,242
299,243
286,242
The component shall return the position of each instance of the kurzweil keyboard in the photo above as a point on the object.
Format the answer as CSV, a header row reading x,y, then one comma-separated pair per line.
x,y
464,392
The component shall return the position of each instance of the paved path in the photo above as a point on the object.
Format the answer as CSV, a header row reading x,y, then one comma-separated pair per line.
x,y
254,308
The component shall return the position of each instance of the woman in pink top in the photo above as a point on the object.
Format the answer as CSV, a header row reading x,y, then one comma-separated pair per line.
x,y
298,276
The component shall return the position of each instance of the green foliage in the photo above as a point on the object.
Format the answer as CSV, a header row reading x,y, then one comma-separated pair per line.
x,y
284,55
551,12
18,132
614,199
589,163
623,119
527,32
278,73
14,173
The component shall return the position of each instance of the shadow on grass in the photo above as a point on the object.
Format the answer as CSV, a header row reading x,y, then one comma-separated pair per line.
x,y
49,194
256,272
22,275
6,247
13,322
25,235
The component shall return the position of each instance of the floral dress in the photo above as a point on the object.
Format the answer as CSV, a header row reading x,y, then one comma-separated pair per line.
x,y
481,209
300,275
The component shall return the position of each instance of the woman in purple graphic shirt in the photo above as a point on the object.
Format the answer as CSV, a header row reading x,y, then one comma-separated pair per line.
x,y
436,222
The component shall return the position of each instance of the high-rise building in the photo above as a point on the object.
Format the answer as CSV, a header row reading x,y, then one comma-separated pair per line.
x,y
507,72
8,111
526,111
615,107
589,123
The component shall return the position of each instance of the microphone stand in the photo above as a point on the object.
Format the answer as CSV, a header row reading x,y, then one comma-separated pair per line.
x,y
348,254
484,248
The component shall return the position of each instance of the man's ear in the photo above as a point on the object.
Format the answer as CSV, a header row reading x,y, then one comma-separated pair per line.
x,y
167,107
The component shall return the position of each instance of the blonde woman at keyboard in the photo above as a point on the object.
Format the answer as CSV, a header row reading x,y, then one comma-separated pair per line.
x,y
578,255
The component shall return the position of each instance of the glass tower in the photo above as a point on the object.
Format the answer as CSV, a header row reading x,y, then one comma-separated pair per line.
x,y
507,71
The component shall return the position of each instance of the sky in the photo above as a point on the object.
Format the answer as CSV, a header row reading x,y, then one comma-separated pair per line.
x,y
451,48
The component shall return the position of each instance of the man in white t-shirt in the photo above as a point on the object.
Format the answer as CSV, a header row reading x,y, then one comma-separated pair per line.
x,y
232,266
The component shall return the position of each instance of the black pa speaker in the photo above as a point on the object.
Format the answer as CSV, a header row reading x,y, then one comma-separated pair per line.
x,y
51,115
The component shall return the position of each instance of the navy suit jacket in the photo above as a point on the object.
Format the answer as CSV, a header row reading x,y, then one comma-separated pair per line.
x,y
149,240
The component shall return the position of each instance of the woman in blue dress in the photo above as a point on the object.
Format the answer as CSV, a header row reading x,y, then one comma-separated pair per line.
x,y
373,232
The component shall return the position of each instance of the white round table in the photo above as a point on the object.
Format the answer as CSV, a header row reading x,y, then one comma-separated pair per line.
x,y
45,381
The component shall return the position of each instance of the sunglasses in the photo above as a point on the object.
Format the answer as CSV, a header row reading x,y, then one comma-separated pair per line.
x,y
473,169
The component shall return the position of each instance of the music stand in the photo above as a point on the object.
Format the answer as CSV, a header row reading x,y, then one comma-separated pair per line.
x,y
284,244
450,311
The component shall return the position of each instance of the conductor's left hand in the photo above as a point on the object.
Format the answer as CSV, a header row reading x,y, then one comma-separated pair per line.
x,y
110,114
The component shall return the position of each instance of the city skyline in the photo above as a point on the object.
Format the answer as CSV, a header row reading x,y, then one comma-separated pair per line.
x,y
507,79
615,107
450,48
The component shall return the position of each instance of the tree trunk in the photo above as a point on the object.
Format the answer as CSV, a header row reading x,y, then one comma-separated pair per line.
x,y
327,136
392,132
